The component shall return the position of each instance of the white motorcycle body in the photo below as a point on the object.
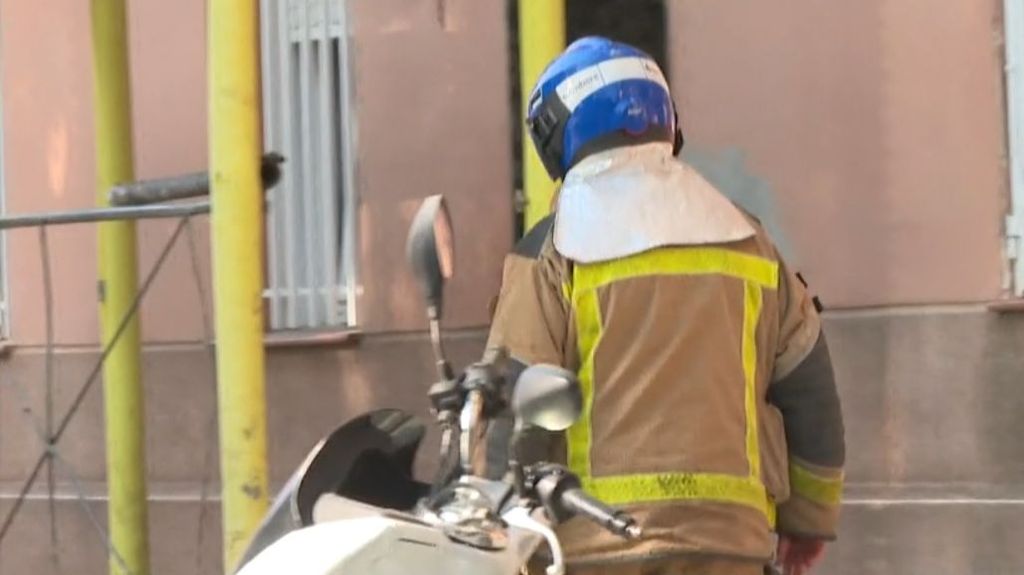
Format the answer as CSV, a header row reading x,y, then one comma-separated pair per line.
x,y
351,538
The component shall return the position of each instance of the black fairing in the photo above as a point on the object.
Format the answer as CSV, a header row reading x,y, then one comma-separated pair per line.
x,y
369,459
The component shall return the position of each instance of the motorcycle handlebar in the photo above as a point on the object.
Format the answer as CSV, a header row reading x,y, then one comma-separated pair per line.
x,y
560,492
620,523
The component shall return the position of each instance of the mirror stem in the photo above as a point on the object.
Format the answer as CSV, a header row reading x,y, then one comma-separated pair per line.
x,y
444,369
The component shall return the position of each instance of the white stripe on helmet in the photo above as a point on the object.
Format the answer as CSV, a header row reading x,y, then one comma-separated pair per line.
x,y
576,88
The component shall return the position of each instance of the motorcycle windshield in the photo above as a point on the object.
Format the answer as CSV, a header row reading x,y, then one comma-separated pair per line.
x,y
368,459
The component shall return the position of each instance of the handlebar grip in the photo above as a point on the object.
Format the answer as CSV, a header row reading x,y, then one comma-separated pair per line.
x,y
618,522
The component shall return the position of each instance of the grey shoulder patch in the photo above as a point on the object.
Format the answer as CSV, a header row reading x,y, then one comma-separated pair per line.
x,y
532,243
811,411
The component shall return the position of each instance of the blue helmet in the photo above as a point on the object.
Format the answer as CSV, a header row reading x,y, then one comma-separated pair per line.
x,y
596,95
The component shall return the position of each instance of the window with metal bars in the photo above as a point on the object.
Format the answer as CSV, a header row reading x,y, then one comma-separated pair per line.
x,y
306,118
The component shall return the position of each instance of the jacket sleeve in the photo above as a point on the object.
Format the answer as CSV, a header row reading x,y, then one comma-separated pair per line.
x,y
532,322
532,315
803,388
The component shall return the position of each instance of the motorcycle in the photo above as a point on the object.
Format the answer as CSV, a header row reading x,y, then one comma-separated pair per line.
x,y
354,507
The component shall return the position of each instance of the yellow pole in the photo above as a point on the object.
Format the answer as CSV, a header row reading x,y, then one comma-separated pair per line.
x,y
238,267
541,38
122,382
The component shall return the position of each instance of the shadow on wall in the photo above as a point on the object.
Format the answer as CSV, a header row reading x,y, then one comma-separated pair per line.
x,y
727,171
808,92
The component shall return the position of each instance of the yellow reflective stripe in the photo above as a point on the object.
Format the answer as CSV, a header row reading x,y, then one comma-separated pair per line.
x,y
757,273
681,261
664,487
588,327
751,315
810,485
567,291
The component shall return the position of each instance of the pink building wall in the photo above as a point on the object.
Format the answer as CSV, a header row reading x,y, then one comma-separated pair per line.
x,y
879,125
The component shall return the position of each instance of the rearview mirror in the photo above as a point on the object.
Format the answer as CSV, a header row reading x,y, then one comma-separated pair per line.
x,y
547,397
430,250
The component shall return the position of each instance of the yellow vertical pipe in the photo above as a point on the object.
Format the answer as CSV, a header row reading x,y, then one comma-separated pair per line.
x,y
541,38
122,382
238,267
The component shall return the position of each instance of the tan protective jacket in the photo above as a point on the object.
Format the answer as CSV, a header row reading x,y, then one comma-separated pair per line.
x,y
697,364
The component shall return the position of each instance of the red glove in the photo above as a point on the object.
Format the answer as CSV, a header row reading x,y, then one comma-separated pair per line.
x,y
798,555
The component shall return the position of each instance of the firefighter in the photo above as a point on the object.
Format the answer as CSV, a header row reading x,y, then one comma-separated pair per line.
x,y
710,407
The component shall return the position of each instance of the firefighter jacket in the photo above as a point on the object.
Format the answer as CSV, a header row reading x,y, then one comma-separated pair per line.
x,y
710,408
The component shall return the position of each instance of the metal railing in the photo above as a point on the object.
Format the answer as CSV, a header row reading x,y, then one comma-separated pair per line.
x,y
50,429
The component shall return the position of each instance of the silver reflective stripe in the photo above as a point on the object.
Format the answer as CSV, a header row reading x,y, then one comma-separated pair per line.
x,y
576,88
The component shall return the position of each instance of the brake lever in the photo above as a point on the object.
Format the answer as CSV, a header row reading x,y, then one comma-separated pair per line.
x,y
469,420
522,518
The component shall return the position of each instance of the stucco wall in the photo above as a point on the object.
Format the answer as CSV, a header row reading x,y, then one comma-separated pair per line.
x,y
50,155
432,90
431,96
870,132
875,129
